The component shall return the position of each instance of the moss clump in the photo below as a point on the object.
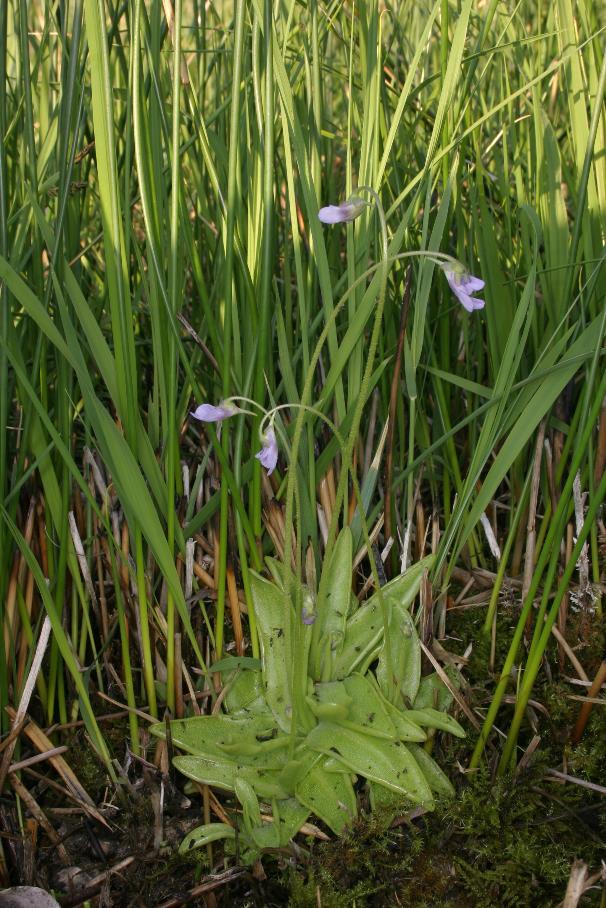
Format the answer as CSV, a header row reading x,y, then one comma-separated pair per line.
x,y
499,843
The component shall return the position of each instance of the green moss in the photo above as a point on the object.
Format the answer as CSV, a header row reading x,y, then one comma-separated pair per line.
x,y
500,844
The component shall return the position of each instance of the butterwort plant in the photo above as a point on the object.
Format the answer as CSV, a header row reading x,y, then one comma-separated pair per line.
x,y
328,706
338,693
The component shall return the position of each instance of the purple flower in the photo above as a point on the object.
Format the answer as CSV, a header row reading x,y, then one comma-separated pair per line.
x,y
346,211
308,608
463,284
209,413
268,455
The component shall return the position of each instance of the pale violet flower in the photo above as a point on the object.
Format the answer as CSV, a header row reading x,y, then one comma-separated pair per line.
x,y
308,611
210,413
346,211
463,285
268,455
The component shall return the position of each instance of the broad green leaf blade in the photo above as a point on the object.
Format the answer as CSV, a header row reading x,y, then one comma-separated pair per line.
x,y
246,694
406,729
204,835
229,663
399,667
433,692
329,796
219,736
222,773
386,803
329,628
432,718
367,705
273,612
364,629
296,769
437,780
289,816
387,762
250,807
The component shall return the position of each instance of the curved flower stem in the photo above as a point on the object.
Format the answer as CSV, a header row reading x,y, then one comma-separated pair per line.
x,y
383,267
307,388
438,258
301,635
271,414
347,462
247,400
348,449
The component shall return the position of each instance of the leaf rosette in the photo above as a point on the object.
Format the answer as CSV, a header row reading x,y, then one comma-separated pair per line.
x,y
331,704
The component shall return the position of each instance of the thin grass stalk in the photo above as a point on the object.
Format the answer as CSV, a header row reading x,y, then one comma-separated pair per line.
x,y
590,423
551,543
112,219
228,313
66,649
172,440
30,139
444,49
133,721
148,662
70,123
265,294
511,538
116,272
534,661
354,366
5,386
489,114
579,223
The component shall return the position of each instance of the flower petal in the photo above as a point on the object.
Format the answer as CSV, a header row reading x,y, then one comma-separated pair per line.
x,y
470,302
472,283
210,413
346,211
463,285
268,455
332,214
